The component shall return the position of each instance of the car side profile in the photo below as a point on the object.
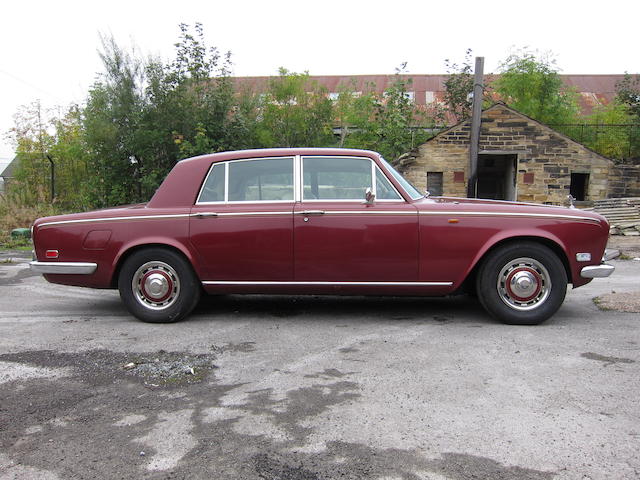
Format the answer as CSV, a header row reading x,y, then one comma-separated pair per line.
x,y
319,221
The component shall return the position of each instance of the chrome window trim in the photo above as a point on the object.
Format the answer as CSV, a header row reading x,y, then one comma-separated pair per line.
x,y
310,200
298,182
399,199
381,284
297,179
226,181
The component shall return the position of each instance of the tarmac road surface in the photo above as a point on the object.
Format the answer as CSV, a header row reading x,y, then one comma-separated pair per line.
x,y
306,388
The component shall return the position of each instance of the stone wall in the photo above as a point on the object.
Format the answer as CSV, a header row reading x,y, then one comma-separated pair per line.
x,y
624,181
545,158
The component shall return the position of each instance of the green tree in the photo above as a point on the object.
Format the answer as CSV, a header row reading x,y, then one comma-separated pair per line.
x,y
295,113
43,137
144,115
605,132
531,84
458,87
389,123
628,94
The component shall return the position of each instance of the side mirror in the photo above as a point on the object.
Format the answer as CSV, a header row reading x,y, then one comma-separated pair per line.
x,y
369,196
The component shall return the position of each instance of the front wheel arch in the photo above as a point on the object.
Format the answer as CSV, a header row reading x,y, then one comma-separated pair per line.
x,y
470,280
538,297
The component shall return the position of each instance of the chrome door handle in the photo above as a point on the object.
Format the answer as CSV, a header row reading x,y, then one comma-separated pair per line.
x,y
311,212
206,214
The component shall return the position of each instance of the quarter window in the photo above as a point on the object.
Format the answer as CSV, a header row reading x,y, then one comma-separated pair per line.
x,y
213,189
384,188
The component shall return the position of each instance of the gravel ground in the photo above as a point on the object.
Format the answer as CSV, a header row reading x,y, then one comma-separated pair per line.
x,y
622,301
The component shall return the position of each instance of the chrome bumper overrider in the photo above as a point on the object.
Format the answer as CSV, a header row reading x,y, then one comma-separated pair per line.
x,y
73,268
597,271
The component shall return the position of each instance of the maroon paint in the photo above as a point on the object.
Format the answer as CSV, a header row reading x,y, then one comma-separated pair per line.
x,y
426,247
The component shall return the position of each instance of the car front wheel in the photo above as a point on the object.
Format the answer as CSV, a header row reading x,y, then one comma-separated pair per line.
x,y
522,283
158,285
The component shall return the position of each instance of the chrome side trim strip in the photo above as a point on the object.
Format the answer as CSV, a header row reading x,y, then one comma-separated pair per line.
x,y
512,215
327,212
65,268
244,214
217,214
380,284
597,271
114,219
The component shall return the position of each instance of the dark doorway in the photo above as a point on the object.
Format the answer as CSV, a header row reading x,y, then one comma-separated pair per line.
x,y
434,183
579,185
497,176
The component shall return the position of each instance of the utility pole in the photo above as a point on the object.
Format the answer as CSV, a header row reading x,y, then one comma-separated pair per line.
x,y
53,177
476,112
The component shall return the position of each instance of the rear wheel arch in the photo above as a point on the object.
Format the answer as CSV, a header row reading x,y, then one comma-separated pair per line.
x,y
124,255
158,284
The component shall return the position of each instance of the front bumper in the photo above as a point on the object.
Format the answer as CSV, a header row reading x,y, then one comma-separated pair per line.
x,y
597,271
64,268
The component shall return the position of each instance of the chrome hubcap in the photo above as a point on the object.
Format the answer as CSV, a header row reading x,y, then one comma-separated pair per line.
x,y
524,284
156,285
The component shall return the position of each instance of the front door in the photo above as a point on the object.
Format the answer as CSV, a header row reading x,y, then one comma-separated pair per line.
x,y
339,237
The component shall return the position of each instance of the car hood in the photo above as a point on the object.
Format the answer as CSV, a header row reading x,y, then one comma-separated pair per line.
x,y
474,205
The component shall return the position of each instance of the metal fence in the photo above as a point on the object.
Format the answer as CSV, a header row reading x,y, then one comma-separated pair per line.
x,y
618,141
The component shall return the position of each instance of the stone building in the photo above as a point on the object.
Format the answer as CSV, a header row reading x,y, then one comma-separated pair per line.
x,y
519,159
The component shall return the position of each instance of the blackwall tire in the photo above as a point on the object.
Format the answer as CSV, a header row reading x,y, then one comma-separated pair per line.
x,y
521,283
158,285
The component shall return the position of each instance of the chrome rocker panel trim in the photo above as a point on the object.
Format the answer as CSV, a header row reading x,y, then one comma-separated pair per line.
x,y
63,268
597,271
382,284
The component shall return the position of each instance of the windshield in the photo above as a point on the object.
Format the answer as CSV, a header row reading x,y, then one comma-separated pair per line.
x,y
410,189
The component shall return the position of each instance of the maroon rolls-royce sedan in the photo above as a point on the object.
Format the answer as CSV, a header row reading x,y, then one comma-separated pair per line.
x,y
319,221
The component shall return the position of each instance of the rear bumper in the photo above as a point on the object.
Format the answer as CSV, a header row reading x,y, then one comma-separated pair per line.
x,y
597,271
69,268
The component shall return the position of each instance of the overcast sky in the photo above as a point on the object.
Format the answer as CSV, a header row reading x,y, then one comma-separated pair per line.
x,y
48,49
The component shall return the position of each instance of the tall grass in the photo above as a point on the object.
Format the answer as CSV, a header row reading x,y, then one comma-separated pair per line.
x,y
16,213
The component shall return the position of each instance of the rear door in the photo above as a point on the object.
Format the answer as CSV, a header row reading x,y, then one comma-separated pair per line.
x,y
242,223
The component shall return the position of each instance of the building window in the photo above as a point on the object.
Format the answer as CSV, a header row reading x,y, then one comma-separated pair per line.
x,y
434,183
579,186
333,96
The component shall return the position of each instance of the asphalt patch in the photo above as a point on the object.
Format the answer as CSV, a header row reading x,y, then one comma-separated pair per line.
x,y
607,360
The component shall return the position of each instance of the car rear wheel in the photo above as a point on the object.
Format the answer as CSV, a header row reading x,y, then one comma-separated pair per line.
x,y
522,283
158,285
